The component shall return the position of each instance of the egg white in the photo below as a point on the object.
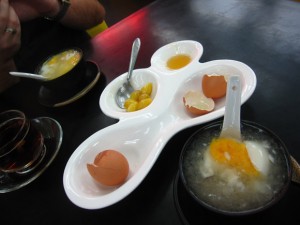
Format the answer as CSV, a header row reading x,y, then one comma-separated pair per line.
x,y
258,155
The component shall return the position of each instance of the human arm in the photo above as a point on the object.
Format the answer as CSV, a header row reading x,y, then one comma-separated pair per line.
x,y
82,14
9,43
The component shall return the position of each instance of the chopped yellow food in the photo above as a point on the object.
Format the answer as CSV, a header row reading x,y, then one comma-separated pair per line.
x,y
147,89
143,96
144,103
139,99
128,102
132,107
135,94
233,154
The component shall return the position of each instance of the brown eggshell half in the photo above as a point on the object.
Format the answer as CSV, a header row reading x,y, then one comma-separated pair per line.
x,y
214,86
110,168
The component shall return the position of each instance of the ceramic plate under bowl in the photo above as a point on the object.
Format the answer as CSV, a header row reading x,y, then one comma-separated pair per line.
x,y
51,98
52,132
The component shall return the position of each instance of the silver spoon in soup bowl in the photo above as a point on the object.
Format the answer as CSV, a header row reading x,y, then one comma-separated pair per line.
x,y
126,89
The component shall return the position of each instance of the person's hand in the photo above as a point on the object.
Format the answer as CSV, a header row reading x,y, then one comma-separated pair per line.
x,y
10,33
10,41
31,9
82,14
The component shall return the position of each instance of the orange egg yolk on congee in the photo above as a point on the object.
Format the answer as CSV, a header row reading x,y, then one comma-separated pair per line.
x,y
233,154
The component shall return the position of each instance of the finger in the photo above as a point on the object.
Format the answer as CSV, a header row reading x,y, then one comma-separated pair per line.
x,y
10,30
13,24
10,39
14,20
9,21
4,14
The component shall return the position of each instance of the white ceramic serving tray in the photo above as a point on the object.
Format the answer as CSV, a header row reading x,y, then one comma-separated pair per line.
x,y
142,135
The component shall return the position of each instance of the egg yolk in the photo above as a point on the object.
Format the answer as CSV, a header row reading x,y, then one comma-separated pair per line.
x,y
233,154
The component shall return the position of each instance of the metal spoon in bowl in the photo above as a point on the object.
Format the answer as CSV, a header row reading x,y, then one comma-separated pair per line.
x,y
126,89
231,124
28,75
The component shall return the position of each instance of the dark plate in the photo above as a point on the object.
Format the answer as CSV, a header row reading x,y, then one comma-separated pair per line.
x,y
192,213
53,98
52,132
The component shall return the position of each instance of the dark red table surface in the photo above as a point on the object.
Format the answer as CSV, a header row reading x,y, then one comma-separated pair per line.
x,y
261,33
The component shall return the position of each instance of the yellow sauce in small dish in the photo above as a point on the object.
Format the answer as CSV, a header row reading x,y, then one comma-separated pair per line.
x,y
178,61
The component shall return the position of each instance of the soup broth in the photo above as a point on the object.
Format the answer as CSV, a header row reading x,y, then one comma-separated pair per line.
x,y
60,64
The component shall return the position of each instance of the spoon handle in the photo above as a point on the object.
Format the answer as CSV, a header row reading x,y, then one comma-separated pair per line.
x,y
134,52
28,75
231,123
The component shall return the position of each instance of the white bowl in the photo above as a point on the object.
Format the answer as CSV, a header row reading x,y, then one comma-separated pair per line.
x,y
141,135
187,47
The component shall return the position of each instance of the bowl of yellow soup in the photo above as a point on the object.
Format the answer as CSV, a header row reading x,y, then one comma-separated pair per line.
x,y
63,70
235,178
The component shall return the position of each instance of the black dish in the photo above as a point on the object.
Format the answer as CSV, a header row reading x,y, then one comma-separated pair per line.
x,y
55,98
280,182
70,78
52,132
192,213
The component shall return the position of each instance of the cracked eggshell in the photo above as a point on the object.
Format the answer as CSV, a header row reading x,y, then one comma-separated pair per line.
x,y
110,168
214,86
197,103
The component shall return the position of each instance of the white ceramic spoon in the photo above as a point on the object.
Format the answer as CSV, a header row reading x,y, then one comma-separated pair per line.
x,y
231,124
